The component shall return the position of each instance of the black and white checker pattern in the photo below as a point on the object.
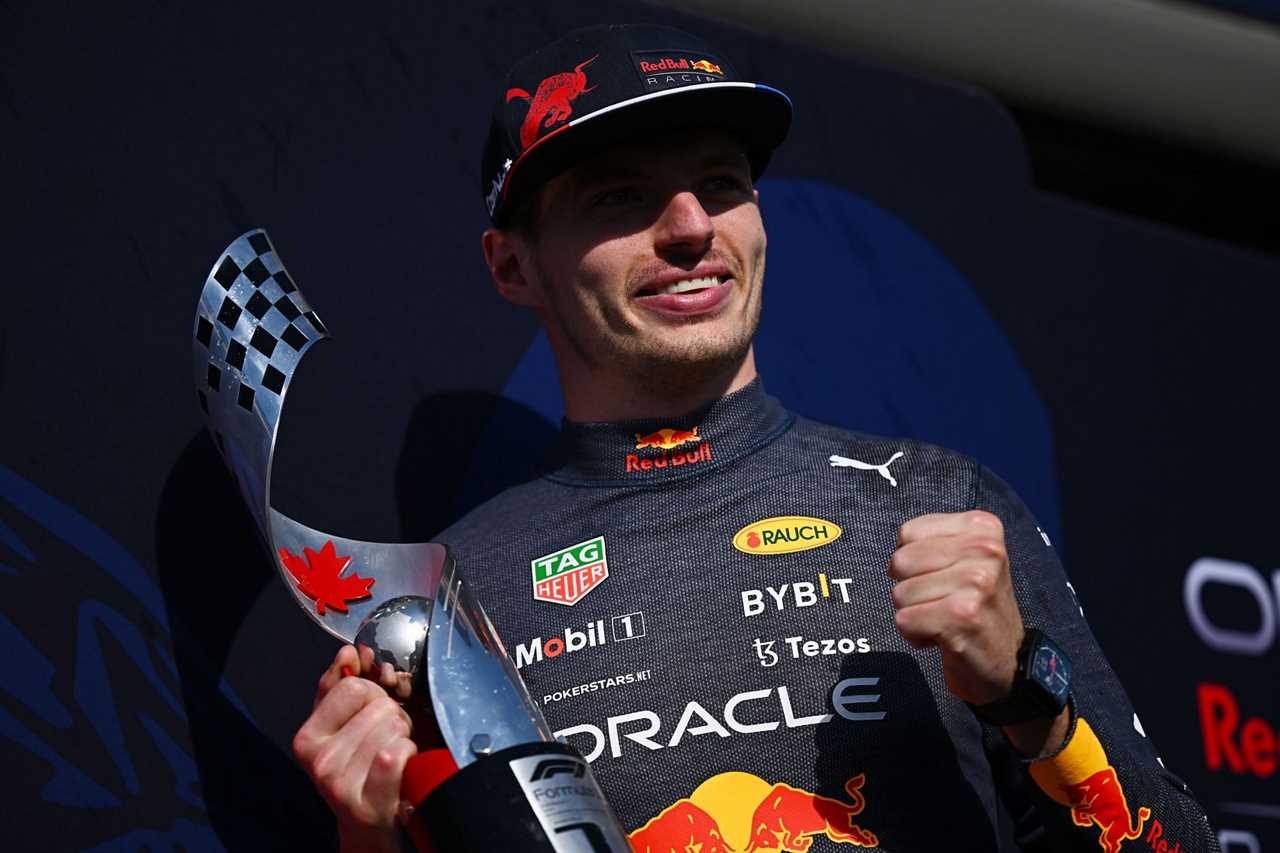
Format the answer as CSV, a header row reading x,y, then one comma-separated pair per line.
x,y
252,327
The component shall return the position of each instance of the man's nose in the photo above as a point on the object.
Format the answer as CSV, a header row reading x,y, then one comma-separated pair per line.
x,y
684,225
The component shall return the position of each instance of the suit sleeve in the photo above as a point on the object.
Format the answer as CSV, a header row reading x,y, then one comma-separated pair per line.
x,y
1106,788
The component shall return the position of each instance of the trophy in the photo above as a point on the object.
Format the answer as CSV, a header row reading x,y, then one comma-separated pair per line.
x,y
490,775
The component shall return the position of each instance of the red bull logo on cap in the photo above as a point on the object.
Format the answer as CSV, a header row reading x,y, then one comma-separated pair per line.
x,y
552,102
666,69
741,813
1081,778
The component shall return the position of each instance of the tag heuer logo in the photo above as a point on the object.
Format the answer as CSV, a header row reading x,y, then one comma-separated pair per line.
x,y
566,576
786,533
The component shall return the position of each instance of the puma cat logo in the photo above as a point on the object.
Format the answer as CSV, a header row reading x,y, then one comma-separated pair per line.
x,y
845,462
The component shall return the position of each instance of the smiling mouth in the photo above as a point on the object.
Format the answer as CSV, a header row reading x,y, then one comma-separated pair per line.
x,y
688,285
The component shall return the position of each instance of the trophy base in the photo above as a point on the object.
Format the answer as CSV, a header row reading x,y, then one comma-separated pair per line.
x,y
531,797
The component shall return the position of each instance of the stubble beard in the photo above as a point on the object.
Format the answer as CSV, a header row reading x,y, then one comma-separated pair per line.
x,y
676,365
693,362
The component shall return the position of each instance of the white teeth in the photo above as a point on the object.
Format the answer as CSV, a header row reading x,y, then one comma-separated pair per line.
x,y
691,284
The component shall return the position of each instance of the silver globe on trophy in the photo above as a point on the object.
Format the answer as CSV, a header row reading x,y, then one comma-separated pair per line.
x,y
486,781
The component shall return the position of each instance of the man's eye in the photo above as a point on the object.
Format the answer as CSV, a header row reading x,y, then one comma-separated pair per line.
x,y
616,197
727,183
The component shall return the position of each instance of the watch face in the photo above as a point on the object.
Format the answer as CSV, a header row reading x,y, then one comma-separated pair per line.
x,y
1052,670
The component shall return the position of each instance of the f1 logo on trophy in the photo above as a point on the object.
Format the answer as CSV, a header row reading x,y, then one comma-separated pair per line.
x,y
489,786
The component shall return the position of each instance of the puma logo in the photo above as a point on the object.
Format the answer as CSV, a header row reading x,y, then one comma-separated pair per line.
x,y
845,462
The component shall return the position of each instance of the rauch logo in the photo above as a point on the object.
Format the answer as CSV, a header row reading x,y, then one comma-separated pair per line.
x,y
784,534
566,576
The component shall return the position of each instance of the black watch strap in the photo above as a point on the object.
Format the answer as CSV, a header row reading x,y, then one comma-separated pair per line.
x,y
1041,684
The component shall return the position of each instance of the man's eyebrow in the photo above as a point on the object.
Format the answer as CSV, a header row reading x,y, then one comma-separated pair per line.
x,y
603,174
718,159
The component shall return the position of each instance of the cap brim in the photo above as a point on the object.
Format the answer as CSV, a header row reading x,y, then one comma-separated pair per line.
x,y
759,115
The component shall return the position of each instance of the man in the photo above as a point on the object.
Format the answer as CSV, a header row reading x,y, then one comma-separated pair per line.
x,y
765,633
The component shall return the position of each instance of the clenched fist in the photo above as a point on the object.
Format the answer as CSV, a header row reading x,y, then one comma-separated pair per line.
x,y
954,592
354,747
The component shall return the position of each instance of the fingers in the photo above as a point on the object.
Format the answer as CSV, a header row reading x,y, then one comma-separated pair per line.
x,y
386,767
350,764
366,660
947,622
346,657
974,522
980,576
340,762
338,710
923,556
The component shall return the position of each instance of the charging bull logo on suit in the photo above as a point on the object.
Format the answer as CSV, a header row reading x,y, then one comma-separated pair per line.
x,y
739,812
552,102
666,440
1083,779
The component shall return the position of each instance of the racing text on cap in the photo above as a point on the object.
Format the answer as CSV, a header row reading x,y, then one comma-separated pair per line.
x,y
668,69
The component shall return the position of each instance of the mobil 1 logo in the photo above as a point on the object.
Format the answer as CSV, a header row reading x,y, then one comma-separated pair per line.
x,y
628,626
568,803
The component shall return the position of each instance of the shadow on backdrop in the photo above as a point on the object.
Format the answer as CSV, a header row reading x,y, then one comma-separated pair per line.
x,y
460,449
233,622
212,568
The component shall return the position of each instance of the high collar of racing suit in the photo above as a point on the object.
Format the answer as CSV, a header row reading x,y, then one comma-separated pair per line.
x,y
653,452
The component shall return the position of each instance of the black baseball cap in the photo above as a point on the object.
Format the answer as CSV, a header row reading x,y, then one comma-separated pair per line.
x,y
605,85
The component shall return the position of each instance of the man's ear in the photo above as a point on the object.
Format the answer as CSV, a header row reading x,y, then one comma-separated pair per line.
x,y
510,263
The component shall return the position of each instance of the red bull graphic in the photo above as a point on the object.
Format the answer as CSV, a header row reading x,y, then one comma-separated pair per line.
x,y
678,829
1100,801
707,66
552,103
739,812
1081,778
667,439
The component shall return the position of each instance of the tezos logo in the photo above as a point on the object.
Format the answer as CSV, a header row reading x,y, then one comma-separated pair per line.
x,y
629,626
784,534
799,646
566,576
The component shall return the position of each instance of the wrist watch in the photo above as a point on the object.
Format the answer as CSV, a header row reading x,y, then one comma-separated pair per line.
x,y
1040,685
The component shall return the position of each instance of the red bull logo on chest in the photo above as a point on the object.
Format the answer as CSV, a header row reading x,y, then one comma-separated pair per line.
x,y
666,441
567,575
739,812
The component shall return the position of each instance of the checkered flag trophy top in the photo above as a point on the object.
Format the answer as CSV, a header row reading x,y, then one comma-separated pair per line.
x,y
408,603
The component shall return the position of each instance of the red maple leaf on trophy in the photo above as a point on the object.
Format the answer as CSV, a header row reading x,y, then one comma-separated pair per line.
x,y
319,577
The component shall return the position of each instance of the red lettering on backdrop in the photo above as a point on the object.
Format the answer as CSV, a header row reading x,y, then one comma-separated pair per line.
x,y
1252,750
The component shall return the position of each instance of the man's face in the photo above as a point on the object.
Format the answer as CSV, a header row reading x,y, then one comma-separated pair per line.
x,y
650,259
